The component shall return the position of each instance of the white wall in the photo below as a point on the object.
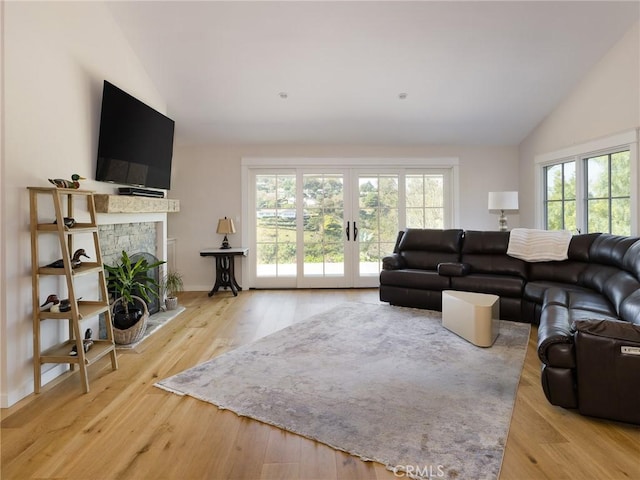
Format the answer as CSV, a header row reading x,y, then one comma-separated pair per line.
x,y
605,102
207,180
56,56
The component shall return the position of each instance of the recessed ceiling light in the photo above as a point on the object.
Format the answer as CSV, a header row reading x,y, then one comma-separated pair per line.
x,y
283,95
402,96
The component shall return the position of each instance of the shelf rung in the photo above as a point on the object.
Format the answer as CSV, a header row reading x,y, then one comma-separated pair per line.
x,y
77,228
60,353
85,268
86,309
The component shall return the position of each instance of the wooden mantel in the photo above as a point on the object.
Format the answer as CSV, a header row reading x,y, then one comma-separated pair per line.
x,y
134,204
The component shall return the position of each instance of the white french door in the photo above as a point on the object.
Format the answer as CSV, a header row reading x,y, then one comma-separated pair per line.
x,y
330,227
376,221
325,254
350,222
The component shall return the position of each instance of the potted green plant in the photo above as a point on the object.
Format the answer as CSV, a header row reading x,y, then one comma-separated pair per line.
x,y
132,288
171,285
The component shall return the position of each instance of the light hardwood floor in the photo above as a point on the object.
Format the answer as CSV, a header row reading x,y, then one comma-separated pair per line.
x,y
125,428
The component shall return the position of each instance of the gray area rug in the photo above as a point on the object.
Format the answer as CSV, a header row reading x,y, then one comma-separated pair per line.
x,y
383,383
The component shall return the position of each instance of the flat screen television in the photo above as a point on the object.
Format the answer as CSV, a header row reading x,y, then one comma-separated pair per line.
x,y
135,145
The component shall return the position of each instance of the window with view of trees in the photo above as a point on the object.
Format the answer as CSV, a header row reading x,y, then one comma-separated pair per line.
x,y
276,224
602,182
425,200
560,196
608,179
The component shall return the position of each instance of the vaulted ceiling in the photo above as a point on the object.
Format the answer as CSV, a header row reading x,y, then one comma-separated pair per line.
x,y
335,72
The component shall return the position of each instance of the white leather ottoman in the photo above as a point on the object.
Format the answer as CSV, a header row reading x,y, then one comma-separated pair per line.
x,y
473,316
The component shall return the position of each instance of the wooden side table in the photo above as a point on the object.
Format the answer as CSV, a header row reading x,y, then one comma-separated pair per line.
x,y
225,275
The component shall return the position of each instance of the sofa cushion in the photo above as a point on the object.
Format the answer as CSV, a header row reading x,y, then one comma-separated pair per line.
x,y
564,272
580,304
535,291
416,279
569,271
485,242
631,260
580,246
486,252
618,287
501,285
630,308
426,248
431,240
609,249
416,259
595,276
496,264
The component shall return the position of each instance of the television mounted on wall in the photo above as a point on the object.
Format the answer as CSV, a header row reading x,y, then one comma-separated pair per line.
x,y
135,145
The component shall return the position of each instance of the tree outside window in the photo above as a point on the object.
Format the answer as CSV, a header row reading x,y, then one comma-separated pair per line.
x,y
605,181
560,196
608,203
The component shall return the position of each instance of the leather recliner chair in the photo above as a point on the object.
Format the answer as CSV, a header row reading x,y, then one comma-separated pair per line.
x,y
608,369
589,339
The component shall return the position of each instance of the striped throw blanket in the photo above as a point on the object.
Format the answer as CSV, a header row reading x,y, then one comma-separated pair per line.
x,y
539,245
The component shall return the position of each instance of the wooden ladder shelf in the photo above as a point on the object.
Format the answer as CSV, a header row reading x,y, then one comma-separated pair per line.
x,y
61,199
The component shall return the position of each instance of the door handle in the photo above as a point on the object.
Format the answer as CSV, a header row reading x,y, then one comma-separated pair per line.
x,y
347,231
355,232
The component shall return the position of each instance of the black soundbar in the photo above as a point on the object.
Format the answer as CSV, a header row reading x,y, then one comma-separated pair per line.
x,y
140,192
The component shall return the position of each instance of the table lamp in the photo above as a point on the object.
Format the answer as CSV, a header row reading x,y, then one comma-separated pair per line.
x,y
225,227
503,201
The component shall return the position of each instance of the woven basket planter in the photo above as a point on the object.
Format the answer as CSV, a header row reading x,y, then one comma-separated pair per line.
x,y
136,331
171,303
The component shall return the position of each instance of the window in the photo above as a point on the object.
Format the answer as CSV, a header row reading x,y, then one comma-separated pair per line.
x,y
608,179
591,187
275,209
425,200
560,196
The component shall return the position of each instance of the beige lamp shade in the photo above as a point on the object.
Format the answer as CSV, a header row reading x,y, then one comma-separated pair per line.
x,y
226,226
503,201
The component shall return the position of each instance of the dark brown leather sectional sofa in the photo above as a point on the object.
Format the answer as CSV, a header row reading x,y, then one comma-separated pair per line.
x,y
587,307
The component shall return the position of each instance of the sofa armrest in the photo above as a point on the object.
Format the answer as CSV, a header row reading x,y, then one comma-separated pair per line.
x,y
453,269
393,262
554,333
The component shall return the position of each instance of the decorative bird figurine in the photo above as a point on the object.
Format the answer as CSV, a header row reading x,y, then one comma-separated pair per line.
x,y
69,222
50,302
75,260
54,305
63,183
86,343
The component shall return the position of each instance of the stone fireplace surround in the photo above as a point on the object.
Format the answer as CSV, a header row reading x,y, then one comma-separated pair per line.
x,y
137,239
134,233
137,225
130,222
